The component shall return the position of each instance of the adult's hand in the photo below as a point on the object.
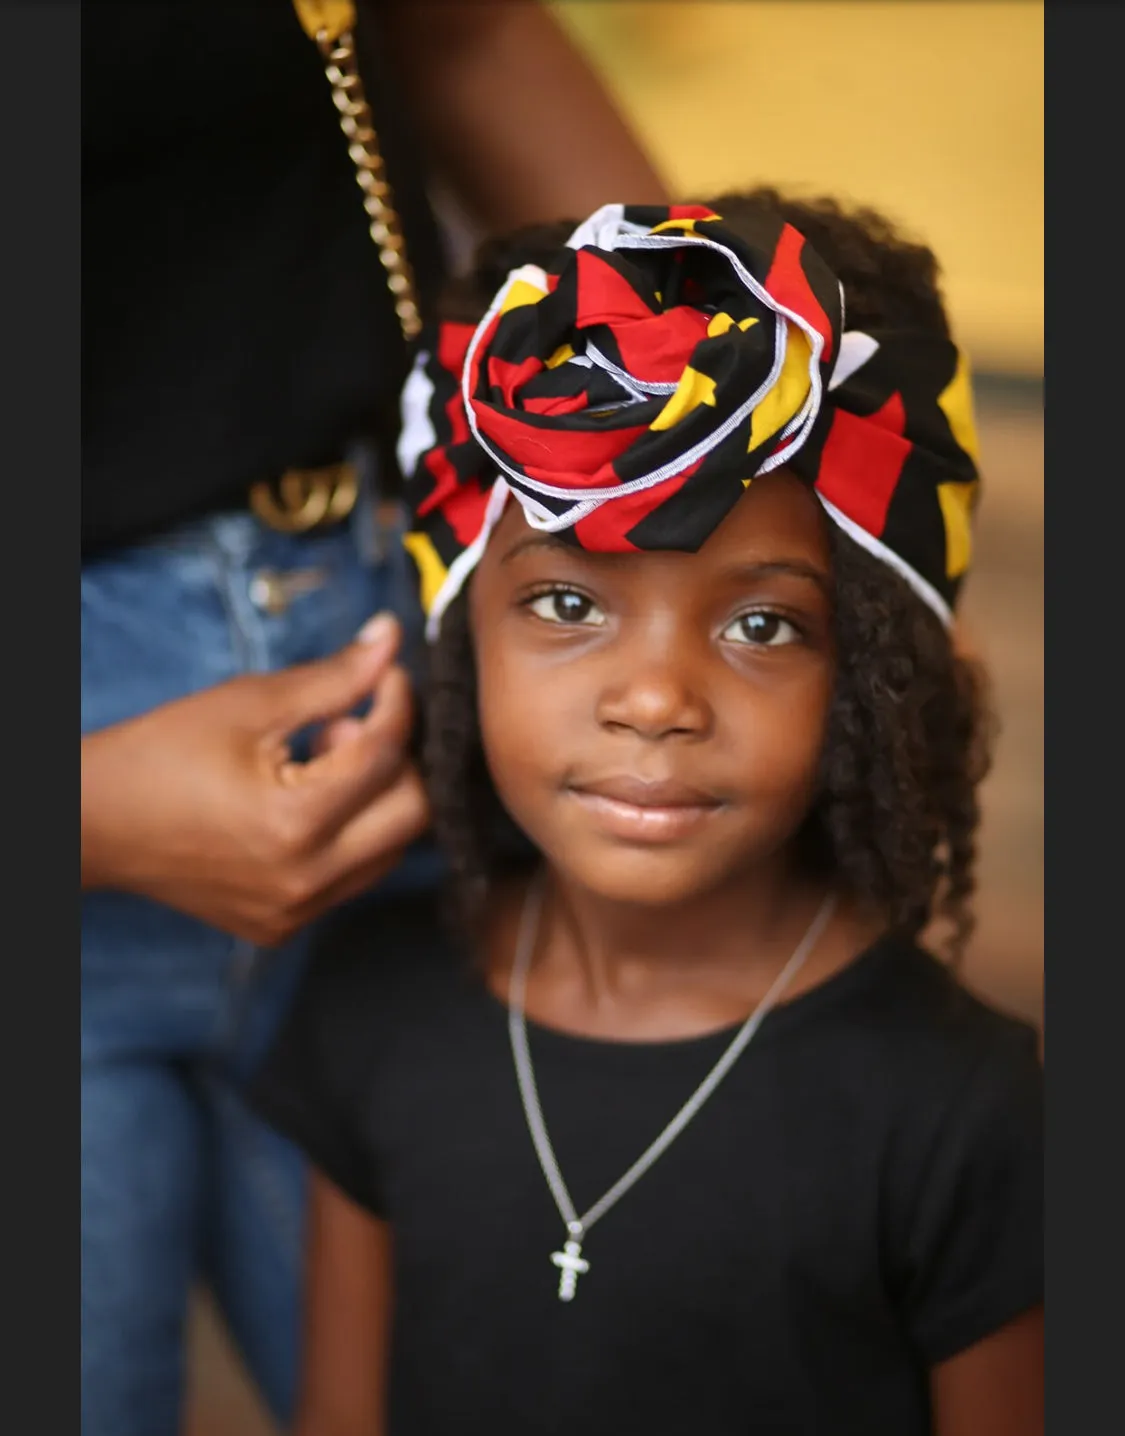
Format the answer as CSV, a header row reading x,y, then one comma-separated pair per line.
x,y
200,805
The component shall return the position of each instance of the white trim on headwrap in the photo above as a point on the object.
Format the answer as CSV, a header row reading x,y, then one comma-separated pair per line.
x,y
925,591
604,227
417,436
856,348
463,565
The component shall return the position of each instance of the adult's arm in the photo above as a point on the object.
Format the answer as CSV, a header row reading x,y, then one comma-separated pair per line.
x,y
514,118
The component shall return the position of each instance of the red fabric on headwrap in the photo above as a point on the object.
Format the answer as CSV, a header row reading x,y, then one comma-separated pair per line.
x,y
862,444
787,283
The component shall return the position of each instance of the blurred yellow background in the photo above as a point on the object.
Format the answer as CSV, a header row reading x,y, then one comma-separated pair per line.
x,y
929,109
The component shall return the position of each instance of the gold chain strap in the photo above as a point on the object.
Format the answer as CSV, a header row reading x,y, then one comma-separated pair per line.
x,y
305,499
331,23
378,198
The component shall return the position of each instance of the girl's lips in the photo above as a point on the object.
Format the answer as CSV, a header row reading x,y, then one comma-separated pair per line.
x,y
646,812
647,792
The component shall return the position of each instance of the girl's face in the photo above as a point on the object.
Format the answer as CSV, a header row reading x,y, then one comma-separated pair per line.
x,y
654,721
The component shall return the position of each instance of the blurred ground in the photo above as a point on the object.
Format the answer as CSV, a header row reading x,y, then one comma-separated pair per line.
x,y
1003,613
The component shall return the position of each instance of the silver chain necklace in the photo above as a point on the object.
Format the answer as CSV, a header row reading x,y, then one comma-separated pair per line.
x,y
570,1261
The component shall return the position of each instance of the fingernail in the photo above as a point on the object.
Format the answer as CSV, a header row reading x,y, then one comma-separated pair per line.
x,y
377,629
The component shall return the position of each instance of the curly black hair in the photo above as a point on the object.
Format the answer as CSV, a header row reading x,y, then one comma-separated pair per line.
x,y
909,733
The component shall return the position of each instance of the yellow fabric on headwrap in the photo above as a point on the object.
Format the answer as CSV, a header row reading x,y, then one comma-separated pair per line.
x,y
721,322
692,390
956,502
784,400
521,292
956,402
432,572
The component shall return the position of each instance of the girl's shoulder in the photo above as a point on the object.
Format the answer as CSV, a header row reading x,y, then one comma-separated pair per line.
x,y
901,1033
950,1088
936,1014
942,1087
896,987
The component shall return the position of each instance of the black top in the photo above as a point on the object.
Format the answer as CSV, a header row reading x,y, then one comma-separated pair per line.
x,y
235,317
859,1199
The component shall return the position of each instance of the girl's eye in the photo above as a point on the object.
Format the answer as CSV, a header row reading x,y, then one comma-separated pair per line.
x,y
764,630
565,605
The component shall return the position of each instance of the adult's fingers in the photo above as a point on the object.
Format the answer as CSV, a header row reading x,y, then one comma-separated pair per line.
x,y
331,686
356,859
337,784
375,837
337,732
353,884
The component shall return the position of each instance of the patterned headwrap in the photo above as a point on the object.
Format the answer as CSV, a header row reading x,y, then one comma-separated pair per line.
x,y
630,390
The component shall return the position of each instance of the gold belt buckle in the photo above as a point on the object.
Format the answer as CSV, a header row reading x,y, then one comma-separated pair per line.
x,y
305,499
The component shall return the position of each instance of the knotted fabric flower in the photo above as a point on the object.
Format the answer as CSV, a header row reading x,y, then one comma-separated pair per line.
x,y
627,393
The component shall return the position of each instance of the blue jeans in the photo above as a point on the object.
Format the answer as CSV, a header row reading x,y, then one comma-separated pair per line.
x,y
180,1181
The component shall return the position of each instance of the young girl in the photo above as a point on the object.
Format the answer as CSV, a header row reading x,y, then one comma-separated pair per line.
x,y
685,1132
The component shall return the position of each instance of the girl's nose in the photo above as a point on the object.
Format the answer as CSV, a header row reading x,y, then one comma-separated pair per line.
x,y
655,694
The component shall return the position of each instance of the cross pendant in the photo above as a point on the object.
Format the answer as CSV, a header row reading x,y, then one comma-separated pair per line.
x,y
571,1265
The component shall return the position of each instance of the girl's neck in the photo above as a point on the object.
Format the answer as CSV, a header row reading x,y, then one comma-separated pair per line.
x,y
643,972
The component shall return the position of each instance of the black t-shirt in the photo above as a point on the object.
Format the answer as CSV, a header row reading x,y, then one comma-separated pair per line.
x,y
235,316
861,1197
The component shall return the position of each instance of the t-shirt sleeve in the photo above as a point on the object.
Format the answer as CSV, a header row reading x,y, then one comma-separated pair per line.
x,y
971,1235
314,1085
